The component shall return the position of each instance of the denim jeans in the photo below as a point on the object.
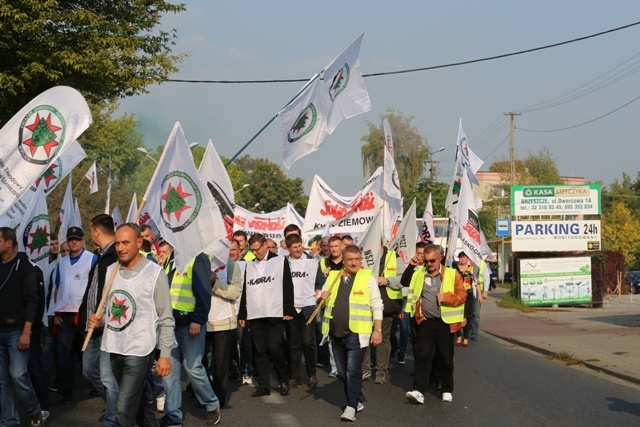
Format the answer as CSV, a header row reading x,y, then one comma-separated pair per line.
x,y
14,376
96,368
65,357
349,357
48,353
475,319
130,373
39,379
188,353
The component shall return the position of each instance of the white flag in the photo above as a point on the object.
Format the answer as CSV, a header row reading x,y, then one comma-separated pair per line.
x,y
55,173
35,231
392,193
427,232
466,163
217,179
468,227
133,209
303,123
92,176
76,211
35,136
67,215
405,242
180,203
117,217
371,245
345,94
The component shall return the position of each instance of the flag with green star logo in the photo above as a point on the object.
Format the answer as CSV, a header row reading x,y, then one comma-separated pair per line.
x,y
35,231
32,139
180,203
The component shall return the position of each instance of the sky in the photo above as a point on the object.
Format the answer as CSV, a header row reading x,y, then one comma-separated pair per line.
x,y
254,40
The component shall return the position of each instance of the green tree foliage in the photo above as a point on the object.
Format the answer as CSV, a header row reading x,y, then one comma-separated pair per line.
x,y
620,232
410,149
420,191
626,190
535,169
106,49
268,186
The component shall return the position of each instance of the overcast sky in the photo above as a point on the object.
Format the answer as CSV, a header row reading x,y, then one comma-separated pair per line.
x,y
240,40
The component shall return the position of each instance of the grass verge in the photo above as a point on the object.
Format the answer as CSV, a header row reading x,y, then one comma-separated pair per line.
x,y
564,357
508,301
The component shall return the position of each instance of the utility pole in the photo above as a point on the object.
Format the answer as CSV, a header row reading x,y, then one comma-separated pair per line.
x,y
512,145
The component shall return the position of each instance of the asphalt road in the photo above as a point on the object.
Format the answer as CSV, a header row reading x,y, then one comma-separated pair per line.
x,y
496,384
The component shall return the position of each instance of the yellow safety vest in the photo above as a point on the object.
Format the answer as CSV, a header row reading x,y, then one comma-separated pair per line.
x,y
360,313
481,274
146,255
249,256
391,270
323,264
448,314
182,297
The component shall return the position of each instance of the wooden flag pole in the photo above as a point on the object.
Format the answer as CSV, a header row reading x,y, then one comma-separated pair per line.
x,y
323,301
105,292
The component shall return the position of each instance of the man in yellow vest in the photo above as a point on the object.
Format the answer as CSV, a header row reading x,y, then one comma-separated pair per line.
x,y
391,293
435,305
352,320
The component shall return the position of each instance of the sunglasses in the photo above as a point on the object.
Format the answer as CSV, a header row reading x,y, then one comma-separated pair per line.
x,y
431,261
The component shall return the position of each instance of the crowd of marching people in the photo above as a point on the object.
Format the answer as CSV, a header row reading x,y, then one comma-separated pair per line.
x,y
277,305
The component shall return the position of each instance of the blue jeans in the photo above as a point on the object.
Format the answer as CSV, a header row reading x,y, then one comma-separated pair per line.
x,y
14,376
65,357
96,368
188,352
475,319
39,379
48,353
130,373
349,357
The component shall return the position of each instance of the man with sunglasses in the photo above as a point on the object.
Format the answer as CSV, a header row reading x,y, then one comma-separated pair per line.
x,y
435,305
267,303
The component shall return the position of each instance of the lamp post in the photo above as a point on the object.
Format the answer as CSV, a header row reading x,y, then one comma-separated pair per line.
x,y
243,187
432,162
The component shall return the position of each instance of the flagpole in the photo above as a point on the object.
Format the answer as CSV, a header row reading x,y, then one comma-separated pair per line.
x,y
106,209
235,156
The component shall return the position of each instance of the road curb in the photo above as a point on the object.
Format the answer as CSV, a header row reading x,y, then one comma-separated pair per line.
x,y
546,352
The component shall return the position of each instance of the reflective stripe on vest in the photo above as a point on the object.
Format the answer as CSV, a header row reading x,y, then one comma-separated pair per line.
x,y
391,270
449,314
182,297
360,313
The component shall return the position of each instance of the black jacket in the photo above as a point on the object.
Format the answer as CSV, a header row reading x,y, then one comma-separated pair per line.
x,y
104,261
18,294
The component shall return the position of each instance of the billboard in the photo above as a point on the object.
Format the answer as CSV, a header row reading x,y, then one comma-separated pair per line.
x,y
554,236
547,281
547,200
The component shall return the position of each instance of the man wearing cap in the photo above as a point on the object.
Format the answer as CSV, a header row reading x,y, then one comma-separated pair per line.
x,y
71,282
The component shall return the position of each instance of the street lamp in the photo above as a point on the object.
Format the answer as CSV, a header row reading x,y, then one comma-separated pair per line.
x,y
146,153
431,171
243,187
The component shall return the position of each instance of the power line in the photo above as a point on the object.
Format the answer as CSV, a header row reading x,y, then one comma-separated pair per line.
x,y
585,123
413,70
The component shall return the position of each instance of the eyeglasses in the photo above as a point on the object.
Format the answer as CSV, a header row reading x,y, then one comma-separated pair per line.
x,y
432,261
257,249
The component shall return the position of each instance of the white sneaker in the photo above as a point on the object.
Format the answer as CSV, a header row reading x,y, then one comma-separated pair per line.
x,y
160,402
349,414
415,396
246,380
447,397
45,415
360,407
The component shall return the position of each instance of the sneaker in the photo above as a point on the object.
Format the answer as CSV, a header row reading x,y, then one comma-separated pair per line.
x,y
415,396
360,407
168,422
246,380
333,374
45,415
447,397
349,414
160,402
401,360
366,375
213,417
380,379
38,420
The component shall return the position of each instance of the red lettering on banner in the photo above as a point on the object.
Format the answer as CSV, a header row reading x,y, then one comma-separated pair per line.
x,y
363,203
266,224
144,218
240,220
473,233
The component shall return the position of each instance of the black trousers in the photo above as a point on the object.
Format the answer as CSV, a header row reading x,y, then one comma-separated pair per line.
x,y
431,337
302,341
217,365
268,341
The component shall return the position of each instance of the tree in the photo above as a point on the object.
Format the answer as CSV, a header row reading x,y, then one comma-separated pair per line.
x,y
106,49
410,149
269,188
619,232
420,191
626,191
535,169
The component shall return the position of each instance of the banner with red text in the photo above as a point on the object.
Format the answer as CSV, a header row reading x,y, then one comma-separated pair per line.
x,y
271,224
345,215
